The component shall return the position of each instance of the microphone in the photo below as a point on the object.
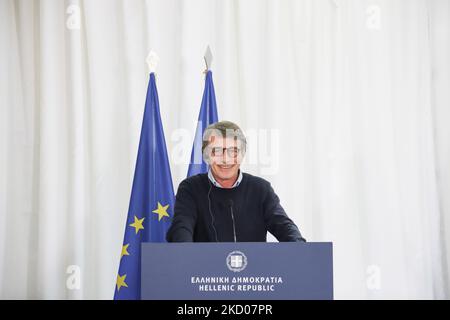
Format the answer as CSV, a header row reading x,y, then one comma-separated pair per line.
x,y
230,203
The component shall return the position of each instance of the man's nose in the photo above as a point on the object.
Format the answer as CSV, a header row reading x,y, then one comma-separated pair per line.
x,y
226,159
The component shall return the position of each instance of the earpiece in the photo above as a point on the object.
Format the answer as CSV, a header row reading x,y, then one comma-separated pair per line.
x,y
210,211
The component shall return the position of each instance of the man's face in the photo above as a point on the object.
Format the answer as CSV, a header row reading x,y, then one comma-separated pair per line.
x,y
225,157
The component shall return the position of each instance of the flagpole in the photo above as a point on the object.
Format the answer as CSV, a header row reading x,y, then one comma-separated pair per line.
x,y
152,197
207,115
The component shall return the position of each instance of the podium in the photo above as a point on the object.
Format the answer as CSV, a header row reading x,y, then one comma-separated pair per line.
x,y
237,271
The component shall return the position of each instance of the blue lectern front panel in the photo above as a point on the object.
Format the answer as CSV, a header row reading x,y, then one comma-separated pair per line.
x,y
228,271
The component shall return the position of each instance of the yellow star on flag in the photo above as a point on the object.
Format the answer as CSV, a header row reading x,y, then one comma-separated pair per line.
x,y
161,211
137,224
121,282
125,250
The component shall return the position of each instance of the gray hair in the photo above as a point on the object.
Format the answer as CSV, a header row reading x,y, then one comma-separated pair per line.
x,y
226,129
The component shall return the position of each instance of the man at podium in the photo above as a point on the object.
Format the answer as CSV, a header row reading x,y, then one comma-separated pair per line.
x,y
226,204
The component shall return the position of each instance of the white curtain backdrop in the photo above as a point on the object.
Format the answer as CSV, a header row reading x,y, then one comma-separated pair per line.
x,y
346,104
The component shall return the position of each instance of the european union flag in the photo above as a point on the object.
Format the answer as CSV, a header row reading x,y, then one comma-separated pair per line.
x,y
207,116
152,198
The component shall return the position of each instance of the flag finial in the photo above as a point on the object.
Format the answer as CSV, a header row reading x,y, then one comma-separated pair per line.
x,y
208,58
152,61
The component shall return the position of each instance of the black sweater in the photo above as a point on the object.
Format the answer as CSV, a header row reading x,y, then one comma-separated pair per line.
x,y
256,210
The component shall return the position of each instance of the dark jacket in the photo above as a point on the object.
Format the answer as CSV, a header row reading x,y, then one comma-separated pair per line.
x,y
205,213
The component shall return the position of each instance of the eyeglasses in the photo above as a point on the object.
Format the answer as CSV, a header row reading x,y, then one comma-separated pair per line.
x,y
219,152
